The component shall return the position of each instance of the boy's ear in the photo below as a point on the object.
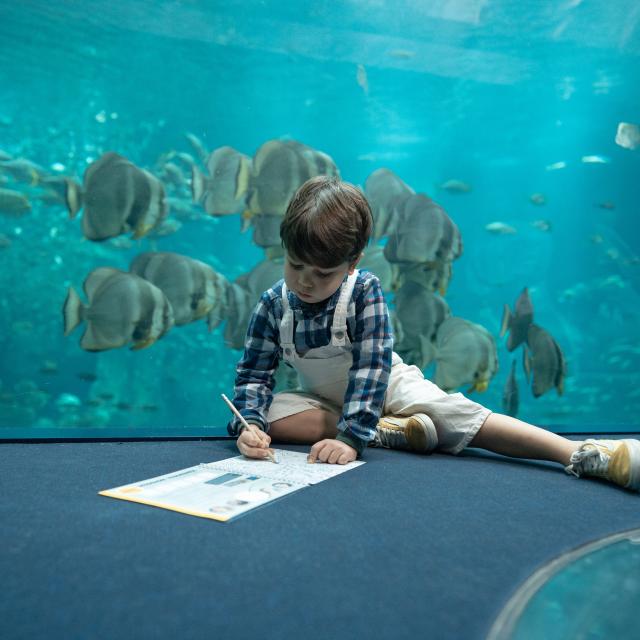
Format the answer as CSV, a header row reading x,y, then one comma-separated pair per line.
x,y
353,264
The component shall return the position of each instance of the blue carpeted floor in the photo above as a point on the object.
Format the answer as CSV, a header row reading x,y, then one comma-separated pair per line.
x,y
403,547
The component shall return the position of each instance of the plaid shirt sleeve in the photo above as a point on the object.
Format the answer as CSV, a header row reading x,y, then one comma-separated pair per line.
x,y
255,379
372,348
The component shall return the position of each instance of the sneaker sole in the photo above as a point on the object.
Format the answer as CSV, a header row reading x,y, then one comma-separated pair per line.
x,y
421,434
633,449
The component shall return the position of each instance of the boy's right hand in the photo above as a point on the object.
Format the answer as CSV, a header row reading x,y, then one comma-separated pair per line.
x,y
254,443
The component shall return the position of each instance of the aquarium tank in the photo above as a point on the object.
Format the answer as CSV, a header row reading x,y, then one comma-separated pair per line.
x,y
148,150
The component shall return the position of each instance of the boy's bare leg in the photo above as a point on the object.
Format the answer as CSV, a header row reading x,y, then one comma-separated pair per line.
x,y
512,437
307,427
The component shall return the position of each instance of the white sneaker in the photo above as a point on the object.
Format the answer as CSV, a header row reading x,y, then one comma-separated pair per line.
x,y
615,460
413,433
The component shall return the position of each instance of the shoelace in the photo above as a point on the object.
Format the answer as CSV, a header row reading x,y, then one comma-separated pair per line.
x,y
392,438
592,461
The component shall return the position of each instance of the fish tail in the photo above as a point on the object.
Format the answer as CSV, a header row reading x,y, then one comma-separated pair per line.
x,y
526,361
506,320
198,184
72,311
242,178
72,197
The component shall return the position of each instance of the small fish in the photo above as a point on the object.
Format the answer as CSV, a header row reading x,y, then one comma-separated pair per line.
x,y
14,203
402,54
517,323
23,170
198,146
544,361
123,308
628,135
49,367
510,394
538,199
87,376
500,228
543,225
607,205
595,159
556,165
361,78
456,186
5,241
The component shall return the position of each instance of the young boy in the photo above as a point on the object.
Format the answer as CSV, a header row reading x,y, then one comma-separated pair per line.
x,y
330,322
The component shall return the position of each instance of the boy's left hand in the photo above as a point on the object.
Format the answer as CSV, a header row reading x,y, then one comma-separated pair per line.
x,y
332,451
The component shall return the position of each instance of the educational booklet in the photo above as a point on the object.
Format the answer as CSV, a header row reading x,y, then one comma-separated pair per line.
x,y
226,489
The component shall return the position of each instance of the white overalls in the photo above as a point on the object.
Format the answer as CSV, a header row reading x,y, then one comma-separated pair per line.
x,y
323,373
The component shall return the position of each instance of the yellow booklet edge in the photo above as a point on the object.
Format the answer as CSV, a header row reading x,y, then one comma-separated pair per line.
x,y
109,493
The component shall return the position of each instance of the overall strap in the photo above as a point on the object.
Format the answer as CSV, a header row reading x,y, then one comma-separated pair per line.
x,y
339,326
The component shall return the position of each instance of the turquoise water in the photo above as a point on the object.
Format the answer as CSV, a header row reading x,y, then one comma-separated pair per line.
x,y
591,593
488,93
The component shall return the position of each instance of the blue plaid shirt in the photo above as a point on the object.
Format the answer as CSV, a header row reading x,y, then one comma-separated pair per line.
x,y
369,331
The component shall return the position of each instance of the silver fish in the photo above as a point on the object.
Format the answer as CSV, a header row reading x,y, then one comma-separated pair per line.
x,y
517,323
545,361
465,354
192,287
123,308
385,191
223,190
13,203
420,313
628,135
239,306
118,197
423,233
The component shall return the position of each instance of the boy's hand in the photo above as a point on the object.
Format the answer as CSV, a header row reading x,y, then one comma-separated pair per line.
x,y
254,443
332,451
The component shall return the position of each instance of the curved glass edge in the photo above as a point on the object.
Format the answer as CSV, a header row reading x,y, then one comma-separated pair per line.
x,y
115,433
506,622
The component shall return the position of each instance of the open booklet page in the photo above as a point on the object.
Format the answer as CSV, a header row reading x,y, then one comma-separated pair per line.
x,y
228,488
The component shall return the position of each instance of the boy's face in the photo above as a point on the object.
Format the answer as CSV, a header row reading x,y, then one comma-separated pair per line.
x,y
314,284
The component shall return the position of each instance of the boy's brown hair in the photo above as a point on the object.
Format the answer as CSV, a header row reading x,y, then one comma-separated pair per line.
x,y
327,222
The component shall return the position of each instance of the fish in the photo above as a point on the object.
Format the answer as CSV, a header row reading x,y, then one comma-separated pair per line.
x,y
543,225
423,233
23,170
5,241
628,135
119,197
517,323
278,169
595,159
402,54
456,186
373,260
420,313
433,276
65,190
538,199
510,393
500,228
14,203
223,190
263,276
192,287
385,191
362,79
607,205
122,308
554,166
239,305
198,146
465,354
544,361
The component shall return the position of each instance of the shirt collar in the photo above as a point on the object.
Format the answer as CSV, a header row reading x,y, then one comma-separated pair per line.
x,y
314,308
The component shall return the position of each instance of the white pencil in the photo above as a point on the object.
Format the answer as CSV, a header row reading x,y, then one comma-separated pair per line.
x,y
245,423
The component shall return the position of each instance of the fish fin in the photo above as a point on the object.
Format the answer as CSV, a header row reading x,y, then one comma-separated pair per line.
x,y
143,344
35,178
141,230
245,221
72,197
242,178
526,361
72,311
506,320
199,184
